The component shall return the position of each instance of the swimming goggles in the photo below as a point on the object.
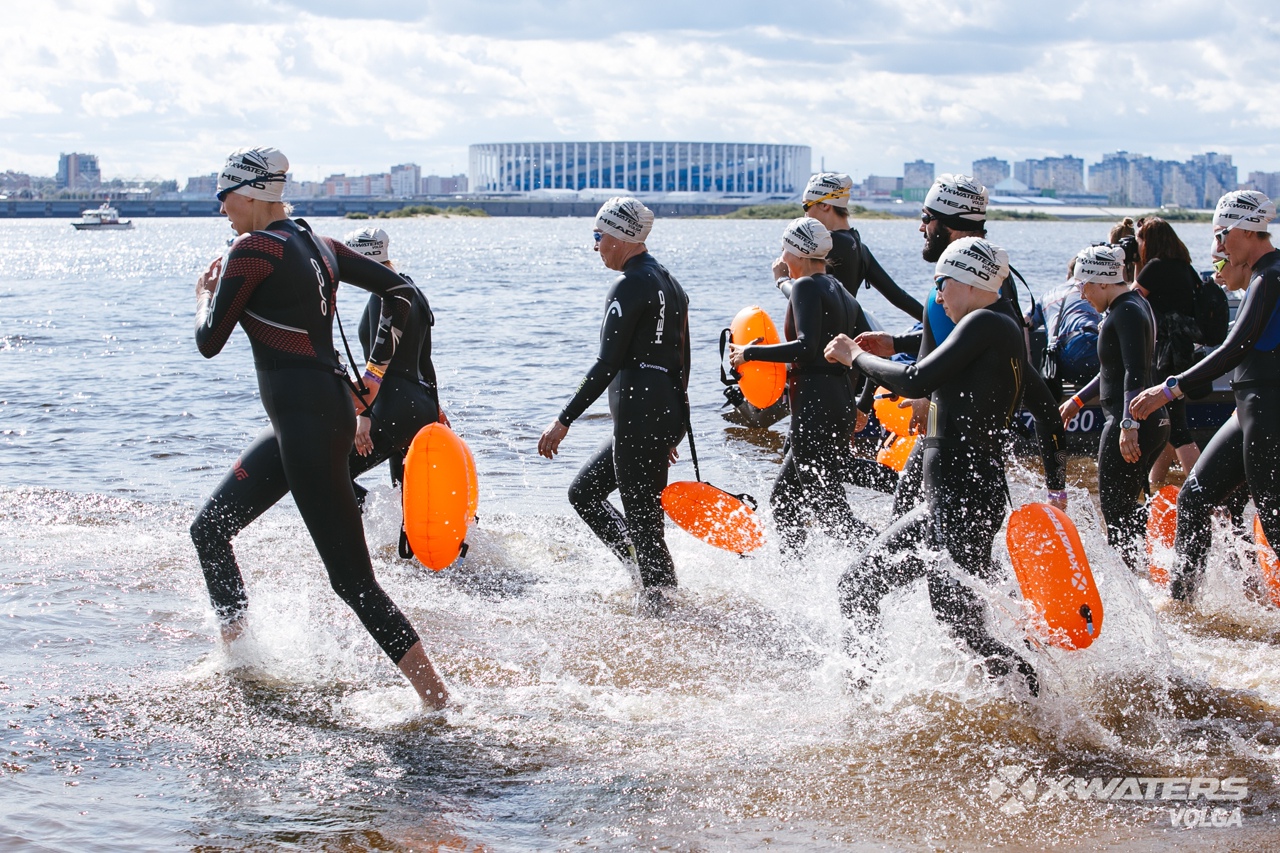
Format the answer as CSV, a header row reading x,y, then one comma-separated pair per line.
x,y
256,182
599,235
940,282
1219,264
840,193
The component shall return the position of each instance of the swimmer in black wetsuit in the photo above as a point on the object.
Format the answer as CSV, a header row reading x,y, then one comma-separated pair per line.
x,y
822,394
826,199
1247,447
407,399
1126,343
644,365
955,208
973,382
279,282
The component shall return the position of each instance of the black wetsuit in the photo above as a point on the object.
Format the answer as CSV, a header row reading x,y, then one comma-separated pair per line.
x,y
1126,340
279,285
853,264
1247,447
644,364
1171,291
822,411
1036,398
974,379
408,399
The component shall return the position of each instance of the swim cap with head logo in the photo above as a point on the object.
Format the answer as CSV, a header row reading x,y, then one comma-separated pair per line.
x,y
626,218
960,199
975,262
370,241
1101,264
828,188
257,172
807,238
1247,209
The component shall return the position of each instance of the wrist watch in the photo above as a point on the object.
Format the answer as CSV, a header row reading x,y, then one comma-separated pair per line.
x,y
1128,423
1171,385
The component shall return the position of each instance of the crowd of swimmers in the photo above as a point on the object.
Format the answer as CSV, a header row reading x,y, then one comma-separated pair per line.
x,y
1122,330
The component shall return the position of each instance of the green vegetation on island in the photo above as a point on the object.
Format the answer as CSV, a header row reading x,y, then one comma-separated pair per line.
x,y
794,211
1179,215
414,210
1019,215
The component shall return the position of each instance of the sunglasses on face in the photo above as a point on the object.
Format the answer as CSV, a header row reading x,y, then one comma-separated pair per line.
x,y
1220,237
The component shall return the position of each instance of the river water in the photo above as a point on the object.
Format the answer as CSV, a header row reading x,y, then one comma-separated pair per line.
x,y
576,722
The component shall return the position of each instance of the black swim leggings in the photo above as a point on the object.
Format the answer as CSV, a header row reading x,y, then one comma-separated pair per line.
x,y
402,408
1121,485
815,467
648,423
965,508
1246,449
304,452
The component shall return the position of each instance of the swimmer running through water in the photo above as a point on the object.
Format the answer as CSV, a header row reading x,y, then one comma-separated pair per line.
x,y
823,415
643,362
1246,449
973,381
279,283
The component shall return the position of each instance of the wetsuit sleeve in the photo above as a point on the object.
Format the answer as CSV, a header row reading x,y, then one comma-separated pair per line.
x,y
620,320
1089,393
1133,352
247,265
950,359
1050,431
910,342
688,350
806,312
1256,311
889,289
372,276
369,324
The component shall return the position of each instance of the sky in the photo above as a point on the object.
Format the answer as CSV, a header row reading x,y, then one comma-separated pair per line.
x,y
166,88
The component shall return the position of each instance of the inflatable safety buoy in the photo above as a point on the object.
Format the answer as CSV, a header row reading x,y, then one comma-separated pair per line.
x,y
895,449
1267,562
1162,527
437,495
895,420
762,382
713,515
1054,575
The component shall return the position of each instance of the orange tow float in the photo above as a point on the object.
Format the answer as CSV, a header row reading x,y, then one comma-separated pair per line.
x,y
898,441
1162,527
1053,572
440,495
1267,562
761,382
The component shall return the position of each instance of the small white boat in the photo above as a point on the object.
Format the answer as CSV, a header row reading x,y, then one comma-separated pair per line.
x,y
102,219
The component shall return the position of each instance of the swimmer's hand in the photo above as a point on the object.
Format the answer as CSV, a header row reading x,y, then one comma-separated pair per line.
x,y
1147,402
673,456
363,443
919,414
208,280
549,444
859,420
444,419
842,350
1129,448
1058,499
736,358
1068,410
879,344
780,269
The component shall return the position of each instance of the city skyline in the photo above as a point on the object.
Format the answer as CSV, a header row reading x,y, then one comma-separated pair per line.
x,y
164,88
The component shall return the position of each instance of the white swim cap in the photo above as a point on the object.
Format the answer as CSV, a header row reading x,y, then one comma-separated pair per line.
x,y
626,218
828,188
807,238
370,241
1101,264
255,172
1247,209
958,198
974,261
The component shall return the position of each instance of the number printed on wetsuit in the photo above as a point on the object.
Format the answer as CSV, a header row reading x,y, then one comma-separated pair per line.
x,y
662,315
324,297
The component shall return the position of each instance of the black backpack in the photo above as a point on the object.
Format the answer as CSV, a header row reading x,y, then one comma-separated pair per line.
x,y
1213,313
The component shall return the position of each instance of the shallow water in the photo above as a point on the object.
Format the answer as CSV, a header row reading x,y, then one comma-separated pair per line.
x,y
577,723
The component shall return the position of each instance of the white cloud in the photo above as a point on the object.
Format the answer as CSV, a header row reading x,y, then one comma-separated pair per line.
x,y
167,86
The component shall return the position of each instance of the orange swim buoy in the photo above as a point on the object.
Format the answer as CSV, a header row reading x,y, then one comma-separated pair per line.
x,y
1267,562
895,450
1054,575
1162,528
892,418
762,382
713,515
437,495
